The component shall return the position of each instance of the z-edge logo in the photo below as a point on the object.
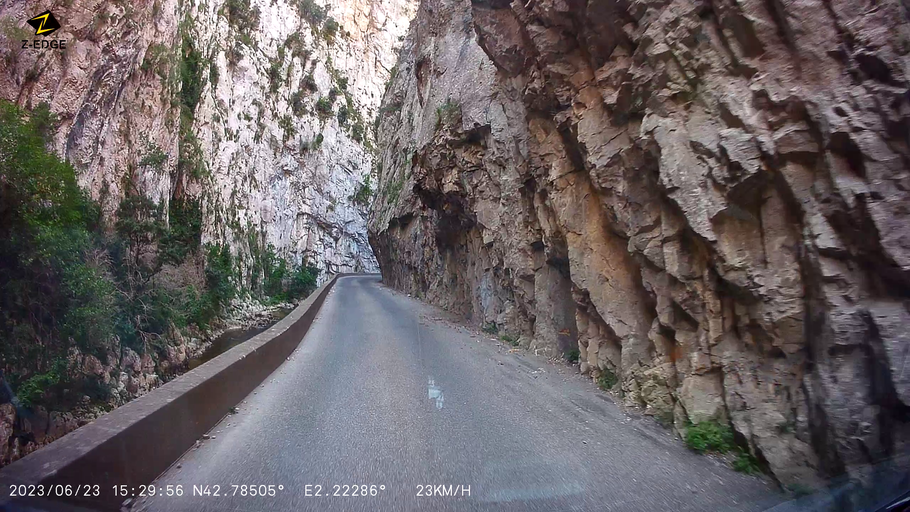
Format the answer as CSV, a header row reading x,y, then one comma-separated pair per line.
x,y
45,24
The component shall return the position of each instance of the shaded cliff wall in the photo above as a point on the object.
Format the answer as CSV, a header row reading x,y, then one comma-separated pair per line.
x,y
707,199
219,102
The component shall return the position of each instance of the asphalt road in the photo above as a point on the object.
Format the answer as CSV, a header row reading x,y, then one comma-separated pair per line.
x,y
387,391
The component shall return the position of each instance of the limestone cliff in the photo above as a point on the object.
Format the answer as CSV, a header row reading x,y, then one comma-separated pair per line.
x,y
258,109
252,115
707,199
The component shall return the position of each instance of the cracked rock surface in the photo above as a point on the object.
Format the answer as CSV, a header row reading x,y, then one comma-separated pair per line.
x,y
270,165
706,199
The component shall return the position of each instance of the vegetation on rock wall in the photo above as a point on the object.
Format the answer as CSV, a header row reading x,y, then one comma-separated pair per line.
x,y
68,283
363,195
242,16
319,19
192,81
56,290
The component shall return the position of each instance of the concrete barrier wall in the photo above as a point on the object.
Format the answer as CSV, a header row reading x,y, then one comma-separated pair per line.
x,y
136,442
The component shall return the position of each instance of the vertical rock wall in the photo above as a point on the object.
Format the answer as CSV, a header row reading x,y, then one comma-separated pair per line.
x,y
707,198
258,111
266,163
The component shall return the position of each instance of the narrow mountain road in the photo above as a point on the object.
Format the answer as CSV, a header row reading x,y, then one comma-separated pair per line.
x,y
386,391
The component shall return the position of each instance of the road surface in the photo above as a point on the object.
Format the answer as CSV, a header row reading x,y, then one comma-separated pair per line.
x,y
387,391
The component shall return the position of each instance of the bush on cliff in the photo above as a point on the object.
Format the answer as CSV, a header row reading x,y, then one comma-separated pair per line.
x,y
55,286
66,283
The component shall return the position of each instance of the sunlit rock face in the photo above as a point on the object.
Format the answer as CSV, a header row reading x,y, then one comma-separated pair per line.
x,y
707,200
268,162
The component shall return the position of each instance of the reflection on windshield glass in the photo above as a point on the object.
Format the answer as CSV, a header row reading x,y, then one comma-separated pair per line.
x,y
656,253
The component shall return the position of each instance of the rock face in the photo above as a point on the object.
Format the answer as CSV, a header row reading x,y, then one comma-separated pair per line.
x,y
259,110
707,199
254,146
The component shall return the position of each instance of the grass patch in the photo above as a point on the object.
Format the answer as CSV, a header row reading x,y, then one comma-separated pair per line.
x,y
710,436
713,436
746,463
490,328
607,379
511,339
573,355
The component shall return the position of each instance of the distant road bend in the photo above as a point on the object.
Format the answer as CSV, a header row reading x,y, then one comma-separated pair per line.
x,y
386,391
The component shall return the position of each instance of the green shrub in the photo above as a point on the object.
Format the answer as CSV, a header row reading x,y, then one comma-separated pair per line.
x,y
746,463
241,16
314,13
302,281
511,339
710,436
156,60
330,29
394,190
572,355
139,224
213,74
184,232
281,280
55,291
297,105
364,192
309,82
357,132
154,157
324,107
286,123
32,391
191,83
607,379
220,284
190,159
274,75
490,328
275,271
342,116
219,274
296,45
